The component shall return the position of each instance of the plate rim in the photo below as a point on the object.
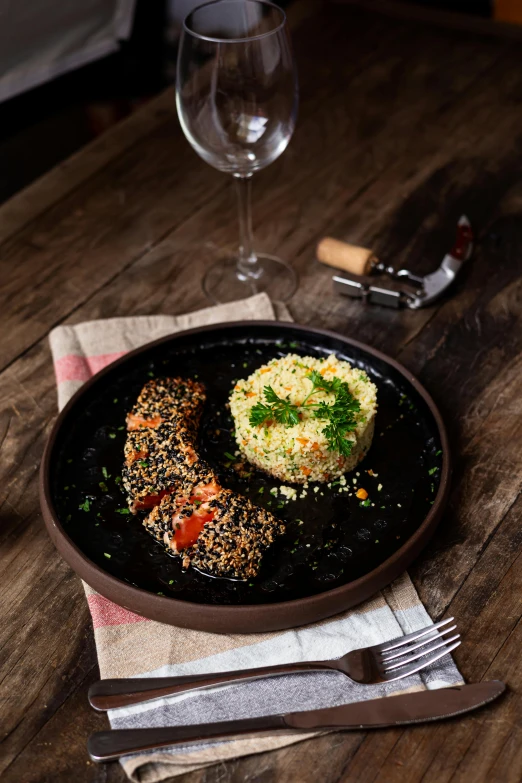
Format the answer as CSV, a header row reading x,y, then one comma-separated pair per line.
x,y
242,618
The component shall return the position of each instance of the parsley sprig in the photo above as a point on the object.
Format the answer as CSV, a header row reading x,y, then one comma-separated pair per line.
x,y
278,408
340,415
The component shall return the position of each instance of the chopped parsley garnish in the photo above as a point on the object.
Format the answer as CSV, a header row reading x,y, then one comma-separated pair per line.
x,y
260,490
122,511
103,486
117,480
229,455
432,471
86,505
293,345
365,503
339,416
105,473
438,452
107,555
144,463
112,435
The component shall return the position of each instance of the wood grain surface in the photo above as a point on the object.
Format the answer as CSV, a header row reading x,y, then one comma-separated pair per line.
x,y
403,127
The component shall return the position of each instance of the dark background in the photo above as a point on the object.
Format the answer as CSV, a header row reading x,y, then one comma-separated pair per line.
x,y
42,127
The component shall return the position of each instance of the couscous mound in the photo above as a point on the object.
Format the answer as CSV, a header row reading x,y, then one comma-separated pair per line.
x,y
301,452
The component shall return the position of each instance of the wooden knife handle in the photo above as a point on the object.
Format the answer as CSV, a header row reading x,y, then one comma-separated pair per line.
x,y
349,258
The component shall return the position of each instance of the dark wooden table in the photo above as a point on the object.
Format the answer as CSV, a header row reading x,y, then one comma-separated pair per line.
x,y
403,127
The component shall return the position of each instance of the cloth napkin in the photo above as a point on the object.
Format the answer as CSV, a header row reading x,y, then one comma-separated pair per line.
x,y
132,646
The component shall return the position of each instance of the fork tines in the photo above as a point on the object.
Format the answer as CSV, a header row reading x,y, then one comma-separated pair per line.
x,y
407,655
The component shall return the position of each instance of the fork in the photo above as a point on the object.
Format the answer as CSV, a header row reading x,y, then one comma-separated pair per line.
x,y
384,662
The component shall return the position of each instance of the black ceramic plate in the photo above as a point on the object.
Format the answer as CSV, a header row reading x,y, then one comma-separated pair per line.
x,y
333,541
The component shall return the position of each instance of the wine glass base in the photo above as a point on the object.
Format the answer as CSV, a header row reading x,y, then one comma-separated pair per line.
x,y
222,283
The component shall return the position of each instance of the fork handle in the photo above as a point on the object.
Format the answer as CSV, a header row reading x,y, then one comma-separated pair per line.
x,y
111,694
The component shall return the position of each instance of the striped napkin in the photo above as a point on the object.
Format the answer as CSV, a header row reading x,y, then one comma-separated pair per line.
x,y
132,646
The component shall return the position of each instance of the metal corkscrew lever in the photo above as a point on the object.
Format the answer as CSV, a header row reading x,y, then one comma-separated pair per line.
x,y
358,261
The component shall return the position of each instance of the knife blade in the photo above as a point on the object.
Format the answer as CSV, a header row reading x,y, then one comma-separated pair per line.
x,y
399,710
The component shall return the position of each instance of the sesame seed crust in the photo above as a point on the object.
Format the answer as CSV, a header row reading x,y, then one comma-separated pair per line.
x,y
231,544
171,398
162,456
170,462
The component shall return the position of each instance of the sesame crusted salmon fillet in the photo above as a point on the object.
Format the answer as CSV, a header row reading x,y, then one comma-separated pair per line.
x,y
214,529
225,535
167,399
158,464
159,449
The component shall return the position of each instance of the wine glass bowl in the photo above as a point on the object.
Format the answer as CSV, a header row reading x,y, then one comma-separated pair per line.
x,y
236,95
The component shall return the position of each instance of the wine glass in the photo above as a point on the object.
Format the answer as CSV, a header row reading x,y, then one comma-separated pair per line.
x,y
237,96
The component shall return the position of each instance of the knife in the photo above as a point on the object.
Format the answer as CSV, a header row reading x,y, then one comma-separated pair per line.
x,y
400,710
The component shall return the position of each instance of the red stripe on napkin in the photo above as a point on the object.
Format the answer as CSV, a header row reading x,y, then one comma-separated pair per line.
x,y
104,612
80,368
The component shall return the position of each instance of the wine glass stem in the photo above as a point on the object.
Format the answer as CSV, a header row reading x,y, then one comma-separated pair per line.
x,y
247,265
